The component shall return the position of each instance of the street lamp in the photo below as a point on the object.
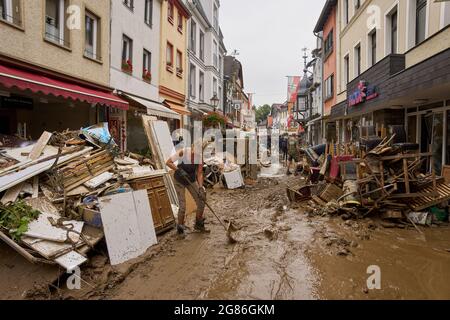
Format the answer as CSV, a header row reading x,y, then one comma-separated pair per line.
x,y
215,101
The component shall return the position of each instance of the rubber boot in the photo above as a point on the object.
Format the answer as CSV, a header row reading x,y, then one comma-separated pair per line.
x,y
181,230
200,226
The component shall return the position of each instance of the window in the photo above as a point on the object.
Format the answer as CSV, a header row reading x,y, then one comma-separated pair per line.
x,y
180,22
347,69
394,34
202,46
192,80
373,47
215,87
357,4
220,97
215,55
147,66
129,4
193,37
148,18
346,14
10,11
220,63
357,60
421,19
170,11
55,28
329,43
127,54
169,56
329,87
201,87
179,63
216,17
92,37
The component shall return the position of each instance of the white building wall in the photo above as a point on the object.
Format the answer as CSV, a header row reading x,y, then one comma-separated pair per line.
x,y
132,24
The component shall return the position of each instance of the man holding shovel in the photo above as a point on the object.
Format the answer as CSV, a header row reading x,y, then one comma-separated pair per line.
x,y
189,176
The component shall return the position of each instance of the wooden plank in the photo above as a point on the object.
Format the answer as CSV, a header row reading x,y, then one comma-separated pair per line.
x,y
12,194
406,173
40,145
35,187
446,173
99,180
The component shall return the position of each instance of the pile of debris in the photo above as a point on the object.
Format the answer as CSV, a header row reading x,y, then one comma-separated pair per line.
x,y
61,195
394,181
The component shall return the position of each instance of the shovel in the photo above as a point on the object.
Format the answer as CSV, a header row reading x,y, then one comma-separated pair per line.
x,y
229,228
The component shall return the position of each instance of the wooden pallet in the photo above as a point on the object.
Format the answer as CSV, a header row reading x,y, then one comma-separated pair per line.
x,y
421,203
331,192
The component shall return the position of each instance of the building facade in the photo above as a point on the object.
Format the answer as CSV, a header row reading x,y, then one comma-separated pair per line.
x,y
205,51
135,60
54,65
173,59
234,97
393,73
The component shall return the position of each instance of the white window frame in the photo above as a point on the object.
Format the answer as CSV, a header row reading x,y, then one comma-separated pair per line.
x,y
202,45
94,36
388,28
346,69
61,25
215,87
369,57
192,80
148,12
355,61
216,16
411,23
215,54
148,60
8,11
201,86
193,36
445,14
129,51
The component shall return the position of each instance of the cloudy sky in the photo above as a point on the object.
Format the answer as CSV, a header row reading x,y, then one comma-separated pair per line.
x,y
269,35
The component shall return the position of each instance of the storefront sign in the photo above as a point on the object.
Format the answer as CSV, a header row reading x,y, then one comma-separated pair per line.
x,y
362,94
16,102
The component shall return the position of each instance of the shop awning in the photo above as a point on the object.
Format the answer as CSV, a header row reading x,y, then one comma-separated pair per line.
x,y
155,109
177,108
38,83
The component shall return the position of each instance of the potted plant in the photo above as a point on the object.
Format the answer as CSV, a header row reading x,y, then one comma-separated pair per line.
x,y
214,120
127,66
147,76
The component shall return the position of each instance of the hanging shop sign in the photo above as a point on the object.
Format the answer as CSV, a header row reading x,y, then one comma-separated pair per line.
x,y
363,93
16,102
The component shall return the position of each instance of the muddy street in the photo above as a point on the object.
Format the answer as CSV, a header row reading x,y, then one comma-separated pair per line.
x,y
282,254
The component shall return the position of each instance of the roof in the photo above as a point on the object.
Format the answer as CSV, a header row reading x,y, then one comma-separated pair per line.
x,y
233,68
197,5
182,8
329,5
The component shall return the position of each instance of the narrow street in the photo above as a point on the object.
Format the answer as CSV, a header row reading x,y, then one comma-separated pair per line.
x,y
282,254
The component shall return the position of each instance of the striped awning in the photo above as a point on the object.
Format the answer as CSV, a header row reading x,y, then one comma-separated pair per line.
x,y
154,108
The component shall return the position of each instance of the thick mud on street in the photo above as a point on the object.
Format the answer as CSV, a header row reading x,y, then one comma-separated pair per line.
x,y
282,253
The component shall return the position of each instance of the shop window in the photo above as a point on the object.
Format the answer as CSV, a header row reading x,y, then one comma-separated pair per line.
x,y
92,37
55,28
10,11
447,148
412,129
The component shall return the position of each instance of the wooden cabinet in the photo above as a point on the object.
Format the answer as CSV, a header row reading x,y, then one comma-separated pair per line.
x,y
159,201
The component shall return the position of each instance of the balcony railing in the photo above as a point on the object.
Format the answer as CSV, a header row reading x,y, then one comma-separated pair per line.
x,y
5,17
53,33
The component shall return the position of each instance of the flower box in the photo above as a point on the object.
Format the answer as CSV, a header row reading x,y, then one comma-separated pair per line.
x,y
127,66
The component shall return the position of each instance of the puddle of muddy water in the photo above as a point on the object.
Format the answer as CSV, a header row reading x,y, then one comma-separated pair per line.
x,y
411,267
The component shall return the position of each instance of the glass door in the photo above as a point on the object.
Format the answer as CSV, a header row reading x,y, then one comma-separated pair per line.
x,y
437,145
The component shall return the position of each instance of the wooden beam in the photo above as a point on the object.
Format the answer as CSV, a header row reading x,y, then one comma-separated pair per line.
x,y
40,146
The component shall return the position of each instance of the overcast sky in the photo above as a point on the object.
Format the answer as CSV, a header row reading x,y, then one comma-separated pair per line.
x,y
269,35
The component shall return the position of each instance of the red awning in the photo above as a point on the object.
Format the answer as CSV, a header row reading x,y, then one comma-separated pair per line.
x,y
25,80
